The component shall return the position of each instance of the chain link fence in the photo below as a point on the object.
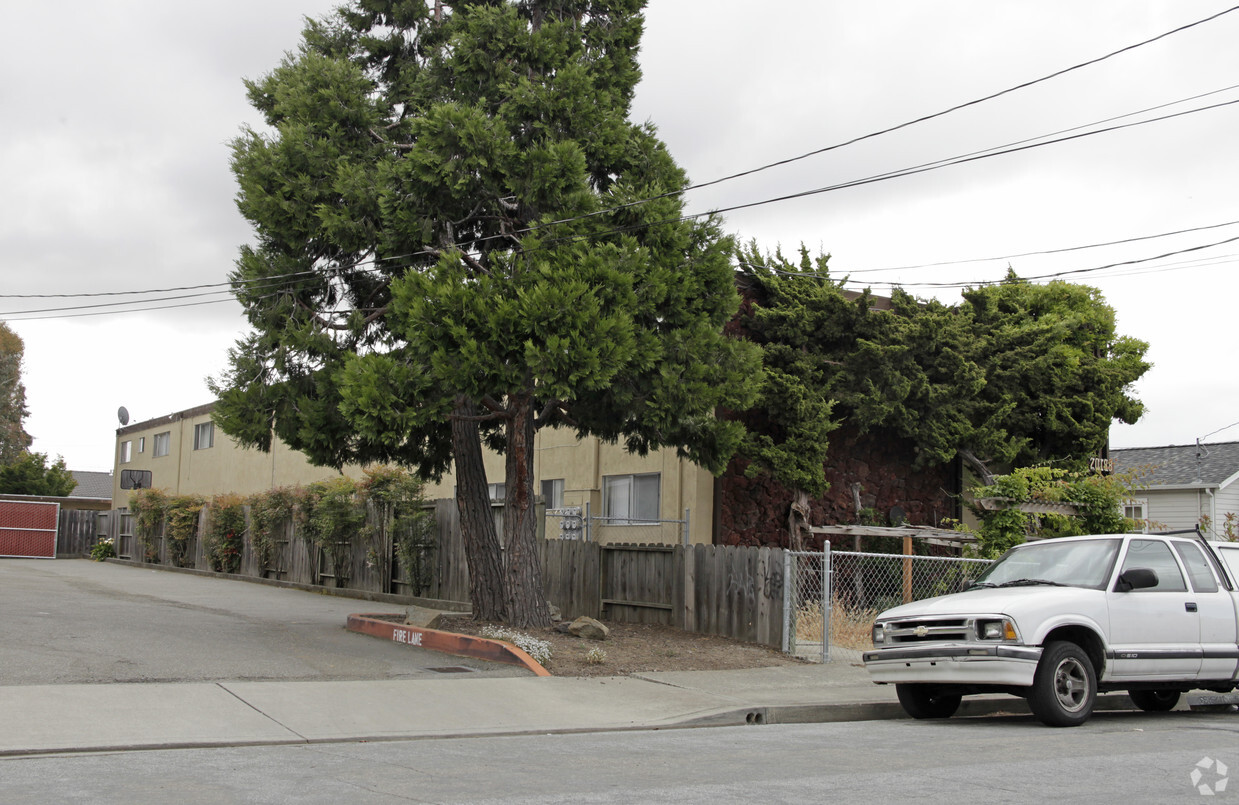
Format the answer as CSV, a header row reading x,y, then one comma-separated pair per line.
x,y
833,598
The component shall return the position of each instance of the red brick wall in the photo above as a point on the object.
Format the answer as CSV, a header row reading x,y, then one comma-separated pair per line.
x,y
753,511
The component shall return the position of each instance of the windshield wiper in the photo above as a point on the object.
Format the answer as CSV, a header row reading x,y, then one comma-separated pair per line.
x,y
979,585
1030,583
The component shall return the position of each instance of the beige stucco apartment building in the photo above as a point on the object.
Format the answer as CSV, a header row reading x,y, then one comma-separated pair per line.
x,y
185,453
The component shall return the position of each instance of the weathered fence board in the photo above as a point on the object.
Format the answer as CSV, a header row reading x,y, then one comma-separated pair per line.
x,y
723,590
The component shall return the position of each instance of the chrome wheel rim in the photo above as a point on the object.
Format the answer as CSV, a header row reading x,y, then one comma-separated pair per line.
x,y
1071,684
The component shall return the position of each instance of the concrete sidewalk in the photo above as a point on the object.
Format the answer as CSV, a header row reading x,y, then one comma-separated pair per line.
x,y
83,718
89,718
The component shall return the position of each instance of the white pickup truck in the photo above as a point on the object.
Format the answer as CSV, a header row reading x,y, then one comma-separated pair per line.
x,y
1059,620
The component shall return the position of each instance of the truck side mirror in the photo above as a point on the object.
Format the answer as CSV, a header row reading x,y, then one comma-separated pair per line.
x,y
1136,578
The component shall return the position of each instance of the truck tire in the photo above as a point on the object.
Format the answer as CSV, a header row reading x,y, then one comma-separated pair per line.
x,y
1154,701
1064,687
924,701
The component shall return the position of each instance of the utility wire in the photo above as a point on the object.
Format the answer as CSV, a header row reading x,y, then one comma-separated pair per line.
x,y
907,124
945,162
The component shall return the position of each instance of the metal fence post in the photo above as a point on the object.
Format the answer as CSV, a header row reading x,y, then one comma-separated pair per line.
x,y
587,521
787,600
686,537
826,597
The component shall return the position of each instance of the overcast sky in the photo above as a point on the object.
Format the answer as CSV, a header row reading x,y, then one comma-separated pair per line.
x,y
117,115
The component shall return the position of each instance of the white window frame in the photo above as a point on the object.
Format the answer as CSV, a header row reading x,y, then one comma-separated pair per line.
x,y
166,439
141,444
126,452
204,435
1138,506
626,499
553,493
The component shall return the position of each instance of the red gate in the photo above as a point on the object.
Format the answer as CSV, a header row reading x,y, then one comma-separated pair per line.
x,y
28,530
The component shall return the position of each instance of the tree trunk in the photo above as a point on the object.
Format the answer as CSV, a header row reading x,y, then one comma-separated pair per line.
x,y
526,599
798,520
978,466
477,526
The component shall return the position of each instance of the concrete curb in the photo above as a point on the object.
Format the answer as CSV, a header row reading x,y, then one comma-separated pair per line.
x,y
447,642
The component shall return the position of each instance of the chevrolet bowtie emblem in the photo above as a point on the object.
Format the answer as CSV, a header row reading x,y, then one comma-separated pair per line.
x,y
921,631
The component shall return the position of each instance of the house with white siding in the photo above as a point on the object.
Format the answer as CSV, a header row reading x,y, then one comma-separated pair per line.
x,y
1178,487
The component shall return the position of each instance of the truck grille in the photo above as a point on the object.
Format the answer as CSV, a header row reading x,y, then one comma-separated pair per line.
x,y
926,630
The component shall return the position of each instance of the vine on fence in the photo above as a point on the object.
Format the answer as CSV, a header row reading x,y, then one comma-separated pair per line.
x,y
268,511
225,533
333,519
332,515
149,507
400,510
182,526
1098,502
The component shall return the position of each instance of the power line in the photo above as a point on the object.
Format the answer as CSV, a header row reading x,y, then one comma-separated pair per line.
x,y
1061,274
924,167
1043,252
900,126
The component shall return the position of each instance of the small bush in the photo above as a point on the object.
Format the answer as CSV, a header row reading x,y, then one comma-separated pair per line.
x,y
103,549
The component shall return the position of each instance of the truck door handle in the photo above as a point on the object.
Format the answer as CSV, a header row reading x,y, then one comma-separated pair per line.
x,y
1190,606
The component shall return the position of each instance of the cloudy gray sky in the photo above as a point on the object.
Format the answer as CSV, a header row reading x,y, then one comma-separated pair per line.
x,y
114,162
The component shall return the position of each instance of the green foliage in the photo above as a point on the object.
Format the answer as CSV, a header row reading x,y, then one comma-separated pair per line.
x,y
452,210
797,317
1098,502
333,518
149,507
182,514
400,511
14,440
225,536
269,511
103,549
31,474
1016,374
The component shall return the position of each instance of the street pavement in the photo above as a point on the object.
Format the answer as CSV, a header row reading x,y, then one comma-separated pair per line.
x,y
448,697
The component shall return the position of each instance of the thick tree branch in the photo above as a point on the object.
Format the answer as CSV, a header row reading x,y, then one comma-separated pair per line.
x,y
978,466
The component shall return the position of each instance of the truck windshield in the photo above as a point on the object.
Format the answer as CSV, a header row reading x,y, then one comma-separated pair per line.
x,y
1084,563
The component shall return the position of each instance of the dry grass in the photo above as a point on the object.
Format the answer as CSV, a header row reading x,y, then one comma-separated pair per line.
x,y
850,627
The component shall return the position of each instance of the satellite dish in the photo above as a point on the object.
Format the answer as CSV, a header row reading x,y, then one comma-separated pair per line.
x,y
123,415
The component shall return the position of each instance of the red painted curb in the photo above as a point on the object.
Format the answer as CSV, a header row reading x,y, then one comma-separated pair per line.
x,y
448,642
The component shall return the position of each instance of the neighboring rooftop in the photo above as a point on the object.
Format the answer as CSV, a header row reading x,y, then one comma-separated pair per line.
x,y
92,485
1205,465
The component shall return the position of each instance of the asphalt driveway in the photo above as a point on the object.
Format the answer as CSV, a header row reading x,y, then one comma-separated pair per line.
x,y
75,621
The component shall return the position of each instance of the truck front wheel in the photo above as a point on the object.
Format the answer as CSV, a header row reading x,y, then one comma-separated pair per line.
x,y
925,701
1064,687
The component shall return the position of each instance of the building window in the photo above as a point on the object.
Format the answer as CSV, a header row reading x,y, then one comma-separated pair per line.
x,y
141,444
553,493
630,499
1137,509
163,443
204,435
126,452
498,491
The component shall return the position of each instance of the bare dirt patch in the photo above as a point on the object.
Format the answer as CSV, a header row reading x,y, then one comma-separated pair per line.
x,y
632,648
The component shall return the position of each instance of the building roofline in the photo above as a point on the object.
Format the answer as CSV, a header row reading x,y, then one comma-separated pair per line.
x,y
188,413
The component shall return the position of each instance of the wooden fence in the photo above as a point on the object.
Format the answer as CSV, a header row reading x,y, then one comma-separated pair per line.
x,y
78,530
731,591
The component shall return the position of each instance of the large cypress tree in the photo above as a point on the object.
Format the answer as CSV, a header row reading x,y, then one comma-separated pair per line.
x,y
462,238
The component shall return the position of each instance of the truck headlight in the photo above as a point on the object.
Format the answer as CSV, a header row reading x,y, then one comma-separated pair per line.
x,y
879,634
1002,629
